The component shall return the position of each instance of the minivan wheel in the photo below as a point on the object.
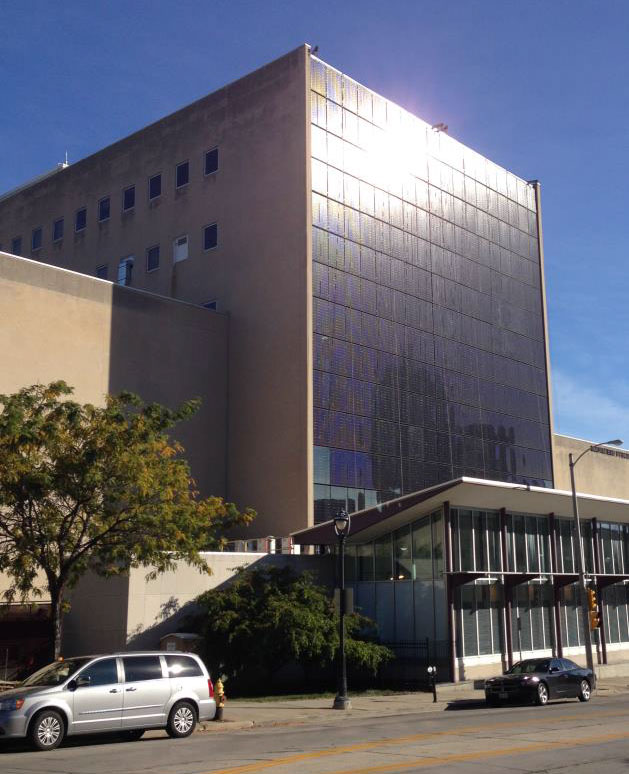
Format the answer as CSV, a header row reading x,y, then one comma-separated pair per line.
x,y
182,720
47,730
585,692
541,696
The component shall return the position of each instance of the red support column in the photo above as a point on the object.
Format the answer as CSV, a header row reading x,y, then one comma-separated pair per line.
x,y
507,591
556,588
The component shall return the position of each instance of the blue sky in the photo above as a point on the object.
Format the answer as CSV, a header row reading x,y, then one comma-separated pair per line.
x,y
540,87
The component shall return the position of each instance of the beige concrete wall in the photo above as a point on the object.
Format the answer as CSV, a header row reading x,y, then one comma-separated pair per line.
x,y
135,613
259,272
100,338
604,472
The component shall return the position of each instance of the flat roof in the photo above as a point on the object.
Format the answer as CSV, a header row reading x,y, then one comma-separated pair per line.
x,y
466,493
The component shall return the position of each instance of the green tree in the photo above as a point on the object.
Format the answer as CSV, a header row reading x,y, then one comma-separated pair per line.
x,y
267,617
102,488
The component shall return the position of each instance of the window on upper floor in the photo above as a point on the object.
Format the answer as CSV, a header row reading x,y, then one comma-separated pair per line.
x,y
16,245
210,236
104,208
36,238
80,220
125,270
101,271
182,176
211,161
152,258
57,230
155,186
180,248
128,198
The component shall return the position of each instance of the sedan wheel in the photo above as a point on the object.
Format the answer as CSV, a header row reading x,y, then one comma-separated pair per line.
x,y
47,730
542,694
585,692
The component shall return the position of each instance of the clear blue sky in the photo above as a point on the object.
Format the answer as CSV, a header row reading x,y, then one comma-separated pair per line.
x,y
539,86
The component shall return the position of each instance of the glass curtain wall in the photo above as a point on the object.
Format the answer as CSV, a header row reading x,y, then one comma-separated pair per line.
x,y
398,580
428,332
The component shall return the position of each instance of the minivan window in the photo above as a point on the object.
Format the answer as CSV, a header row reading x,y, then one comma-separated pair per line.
x,y
139,668
56,673
183,666
103,672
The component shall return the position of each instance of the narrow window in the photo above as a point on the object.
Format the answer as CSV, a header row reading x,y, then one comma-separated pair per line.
x,y
125,270
210,236
128,198
80,221
152,258
155,186
183,174
16,245
104,209
211,305
101,271
211,161
36,239
57,230
180,248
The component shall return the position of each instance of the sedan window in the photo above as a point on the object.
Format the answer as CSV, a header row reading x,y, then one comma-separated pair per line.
x,y
529,666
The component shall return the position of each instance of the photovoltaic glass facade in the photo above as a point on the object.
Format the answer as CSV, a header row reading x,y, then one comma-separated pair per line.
x,y
429,357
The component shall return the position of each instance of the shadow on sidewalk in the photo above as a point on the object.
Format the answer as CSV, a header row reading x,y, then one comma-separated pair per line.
x,y
465,704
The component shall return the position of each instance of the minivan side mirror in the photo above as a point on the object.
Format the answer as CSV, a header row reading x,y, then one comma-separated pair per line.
x,y
554,669
82,682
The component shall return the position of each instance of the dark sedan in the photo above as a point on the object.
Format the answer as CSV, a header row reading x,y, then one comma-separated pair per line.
x,y
541,679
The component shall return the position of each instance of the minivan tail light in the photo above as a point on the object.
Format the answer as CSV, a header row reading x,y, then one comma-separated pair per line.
x,y
210,686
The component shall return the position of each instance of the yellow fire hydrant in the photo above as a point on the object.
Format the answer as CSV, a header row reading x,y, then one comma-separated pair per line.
x,y
219,694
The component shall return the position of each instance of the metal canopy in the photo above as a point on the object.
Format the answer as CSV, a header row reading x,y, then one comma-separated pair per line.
x,y
466,493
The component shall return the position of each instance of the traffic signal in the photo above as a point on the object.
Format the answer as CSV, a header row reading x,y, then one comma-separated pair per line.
x,y
595,616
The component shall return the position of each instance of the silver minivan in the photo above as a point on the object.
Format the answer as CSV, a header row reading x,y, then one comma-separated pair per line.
x,y
124,692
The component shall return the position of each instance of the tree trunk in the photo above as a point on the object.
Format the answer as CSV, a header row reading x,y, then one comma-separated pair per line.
x,y
56,624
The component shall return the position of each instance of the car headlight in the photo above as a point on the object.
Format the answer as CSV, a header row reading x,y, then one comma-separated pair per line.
x,y
9,705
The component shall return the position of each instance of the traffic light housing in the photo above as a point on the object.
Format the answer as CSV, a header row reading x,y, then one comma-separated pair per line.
x,y
595,616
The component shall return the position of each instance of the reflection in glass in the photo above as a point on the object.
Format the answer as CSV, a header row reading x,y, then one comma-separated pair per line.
x,y
403,554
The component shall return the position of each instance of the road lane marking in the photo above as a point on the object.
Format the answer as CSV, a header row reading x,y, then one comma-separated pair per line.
x,y
459,757
358,746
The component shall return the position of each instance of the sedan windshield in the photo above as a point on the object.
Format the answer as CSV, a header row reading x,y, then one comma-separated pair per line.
x,y
56,673
529,666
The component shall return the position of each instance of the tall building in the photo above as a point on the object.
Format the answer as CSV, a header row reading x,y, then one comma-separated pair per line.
x,y
384,284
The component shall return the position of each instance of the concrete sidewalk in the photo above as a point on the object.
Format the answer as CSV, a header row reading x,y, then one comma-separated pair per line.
x,y
242,713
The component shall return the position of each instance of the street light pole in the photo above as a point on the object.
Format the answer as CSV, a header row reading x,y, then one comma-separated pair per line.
x,y
341,527
585,611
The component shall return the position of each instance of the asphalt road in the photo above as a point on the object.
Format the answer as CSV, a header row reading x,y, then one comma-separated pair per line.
x,y
566,737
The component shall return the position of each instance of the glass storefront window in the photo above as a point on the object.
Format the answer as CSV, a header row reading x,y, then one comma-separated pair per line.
x,y
437,544
565,529
465,540
364,562
480,541
403,554
383,559
531,544
422,552
493,536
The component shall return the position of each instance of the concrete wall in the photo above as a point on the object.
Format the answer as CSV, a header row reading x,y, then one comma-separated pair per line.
x,y
135,613
259,272
101,338
604,472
